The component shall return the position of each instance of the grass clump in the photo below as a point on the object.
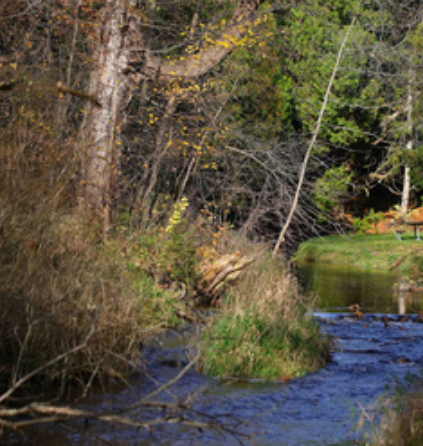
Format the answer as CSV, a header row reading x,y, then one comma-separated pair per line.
x,y
401,423
262,330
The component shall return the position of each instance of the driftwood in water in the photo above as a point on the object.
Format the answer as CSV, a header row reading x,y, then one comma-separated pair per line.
x,y
216,275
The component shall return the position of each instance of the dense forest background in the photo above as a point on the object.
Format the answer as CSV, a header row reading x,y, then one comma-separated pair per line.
x,y
125,107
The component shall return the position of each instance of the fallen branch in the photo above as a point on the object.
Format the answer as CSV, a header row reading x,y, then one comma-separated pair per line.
x,y
175,413
39,369
224,270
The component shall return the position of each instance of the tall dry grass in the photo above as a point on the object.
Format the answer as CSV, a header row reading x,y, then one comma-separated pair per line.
x,y
401,421
65,301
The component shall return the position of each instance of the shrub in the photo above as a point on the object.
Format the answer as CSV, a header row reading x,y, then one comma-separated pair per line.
x,y
330,190
363,225
61,289
165,254
57,285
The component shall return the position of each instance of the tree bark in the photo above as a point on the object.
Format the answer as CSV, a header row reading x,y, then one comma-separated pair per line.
x,y
112,83
100,123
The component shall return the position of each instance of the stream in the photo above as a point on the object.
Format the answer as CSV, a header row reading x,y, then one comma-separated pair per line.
x,y
372,358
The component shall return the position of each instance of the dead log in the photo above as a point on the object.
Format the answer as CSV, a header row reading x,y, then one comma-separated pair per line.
x,y
215,276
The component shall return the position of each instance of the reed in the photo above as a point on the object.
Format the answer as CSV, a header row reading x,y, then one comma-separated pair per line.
x,y
401,421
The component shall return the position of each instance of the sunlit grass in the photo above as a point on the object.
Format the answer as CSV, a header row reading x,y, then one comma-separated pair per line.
x,y
380,252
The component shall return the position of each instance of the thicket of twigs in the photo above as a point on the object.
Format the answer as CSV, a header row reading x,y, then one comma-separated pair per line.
x,y
67,311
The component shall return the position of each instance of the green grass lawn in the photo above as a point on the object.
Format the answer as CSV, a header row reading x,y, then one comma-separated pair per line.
x,y
373,251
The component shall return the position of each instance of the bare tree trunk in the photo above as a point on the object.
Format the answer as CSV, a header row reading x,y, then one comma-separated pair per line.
x,y
111,84
100,122
405,197
303,168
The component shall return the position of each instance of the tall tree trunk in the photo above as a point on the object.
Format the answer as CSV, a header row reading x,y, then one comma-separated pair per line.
x,y
405,197
111,85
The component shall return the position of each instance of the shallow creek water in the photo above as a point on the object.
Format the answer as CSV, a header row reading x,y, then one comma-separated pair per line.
x,y
371,359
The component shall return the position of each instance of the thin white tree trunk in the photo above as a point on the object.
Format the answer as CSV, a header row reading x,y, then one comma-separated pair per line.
x,y
303,169
405,197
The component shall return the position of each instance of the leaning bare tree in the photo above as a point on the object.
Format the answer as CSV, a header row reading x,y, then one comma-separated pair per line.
x,y
303,168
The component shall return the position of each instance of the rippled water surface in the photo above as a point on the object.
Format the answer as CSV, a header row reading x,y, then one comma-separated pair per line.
x,y
371,358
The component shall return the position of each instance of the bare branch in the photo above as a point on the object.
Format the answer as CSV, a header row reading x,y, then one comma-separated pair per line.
x,y
57,88
48,364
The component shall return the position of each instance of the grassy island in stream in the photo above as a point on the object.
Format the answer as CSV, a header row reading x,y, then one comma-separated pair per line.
x,y
369,251
262,330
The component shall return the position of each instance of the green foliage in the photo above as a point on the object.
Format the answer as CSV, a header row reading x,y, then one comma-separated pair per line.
x,y
414,159
401,92
330,189
165,254
261,93
364,224
312,34
157,305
